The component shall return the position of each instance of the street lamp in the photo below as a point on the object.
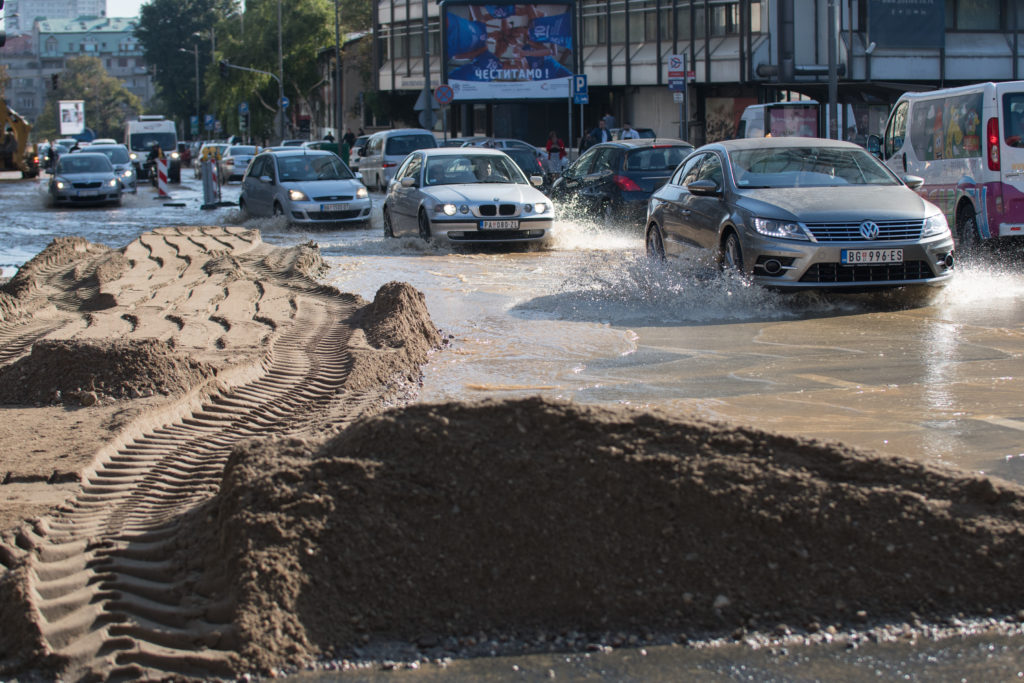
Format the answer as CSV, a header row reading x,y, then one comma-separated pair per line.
x,y
280,80
195,51
338,118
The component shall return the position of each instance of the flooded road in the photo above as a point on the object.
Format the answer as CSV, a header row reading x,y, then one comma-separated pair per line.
x,y
592,321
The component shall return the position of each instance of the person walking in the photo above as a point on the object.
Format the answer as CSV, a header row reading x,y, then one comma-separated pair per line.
x,y
628,132
556,153
600,134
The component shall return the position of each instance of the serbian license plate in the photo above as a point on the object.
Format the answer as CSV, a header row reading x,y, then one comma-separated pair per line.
x,y
499,225
88,193
334,207
856,257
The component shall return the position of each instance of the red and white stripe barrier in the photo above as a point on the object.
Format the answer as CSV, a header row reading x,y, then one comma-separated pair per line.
x,y
161,178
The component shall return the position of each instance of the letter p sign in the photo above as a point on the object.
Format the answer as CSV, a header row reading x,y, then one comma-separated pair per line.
x,y
579,84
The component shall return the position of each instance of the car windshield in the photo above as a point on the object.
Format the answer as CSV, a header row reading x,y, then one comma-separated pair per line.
x,y
655,158
241,150
400,145
806,167
525,159
143,142
304,167
472,168
117,155
83,163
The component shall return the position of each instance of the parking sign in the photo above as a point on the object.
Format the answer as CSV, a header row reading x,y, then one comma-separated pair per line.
x,y
579,89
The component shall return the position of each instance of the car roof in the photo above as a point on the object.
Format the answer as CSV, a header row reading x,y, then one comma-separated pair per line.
x,y
645,142
782,142
296,152
461,151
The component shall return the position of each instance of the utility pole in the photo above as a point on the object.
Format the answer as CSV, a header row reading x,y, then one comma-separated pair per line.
x,y
833,76
339,118
428,111
280,79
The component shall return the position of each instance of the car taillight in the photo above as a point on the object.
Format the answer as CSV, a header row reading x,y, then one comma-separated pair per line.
x,y
993,144
625,183
387,165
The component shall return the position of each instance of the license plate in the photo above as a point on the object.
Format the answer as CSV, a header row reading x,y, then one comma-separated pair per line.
x,y
88,193
334,207
855,257
499,225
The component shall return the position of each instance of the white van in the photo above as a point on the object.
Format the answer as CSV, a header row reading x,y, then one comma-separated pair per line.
x,y
384,151
968,145
141,135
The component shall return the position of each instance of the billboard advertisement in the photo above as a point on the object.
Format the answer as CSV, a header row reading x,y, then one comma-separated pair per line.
x,y
71,116
907,23
508,52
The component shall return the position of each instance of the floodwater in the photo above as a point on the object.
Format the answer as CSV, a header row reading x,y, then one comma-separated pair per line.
x,y
593,321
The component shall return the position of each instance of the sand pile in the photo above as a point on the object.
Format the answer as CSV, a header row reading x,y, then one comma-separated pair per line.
x,y
62,370
519,517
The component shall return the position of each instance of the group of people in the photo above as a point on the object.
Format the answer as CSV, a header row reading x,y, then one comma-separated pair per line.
x,y
601,133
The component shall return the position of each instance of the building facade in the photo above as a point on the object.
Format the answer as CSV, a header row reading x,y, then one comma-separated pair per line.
x,y
737,52
21,14
34,58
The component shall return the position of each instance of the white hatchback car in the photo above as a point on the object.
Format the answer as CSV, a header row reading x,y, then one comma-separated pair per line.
x,y
466,195
306,186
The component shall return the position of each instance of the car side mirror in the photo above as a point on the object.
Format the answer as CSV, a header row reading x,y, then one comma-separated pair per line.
x,y
913,181
359,176
266,179
704,188
536,180
874,145
408,182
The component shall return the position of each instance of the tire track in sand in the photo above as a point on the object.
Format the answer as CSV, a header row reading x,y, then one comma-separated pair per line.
x,y
108,598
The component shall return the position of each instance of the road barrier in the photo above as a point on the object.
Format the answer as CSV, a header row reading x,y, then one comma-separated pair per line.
x,y
161,179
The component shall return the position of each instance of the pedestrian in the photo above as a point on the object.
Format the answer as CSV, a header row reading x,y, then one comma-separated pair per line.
x,y
329,138
600,134
628,132
556,152
350,137
361,133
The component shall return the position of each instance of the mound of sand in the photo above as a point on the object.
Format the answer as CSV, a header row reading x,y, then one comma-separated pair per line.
x,y
515,517
65,369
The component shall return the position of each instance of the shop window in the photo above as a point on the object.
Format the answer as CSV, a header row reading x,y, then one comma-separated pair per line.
x,y
974,15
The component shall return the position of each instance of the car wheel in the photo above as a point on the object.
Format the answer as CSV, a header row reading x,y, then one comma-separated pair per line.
x,y
424,225
967,237
605,212
241,207
389,230
731,258
278,211
655,243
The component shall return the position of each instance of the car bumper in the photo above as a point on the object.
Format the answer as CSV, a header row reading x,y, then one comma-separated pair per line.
x,y
469,232
75,198
356,211
787,264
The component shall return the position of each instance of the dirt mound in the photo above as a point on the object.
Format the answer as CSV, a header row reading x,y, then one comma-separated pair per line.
x,y
515,517
63,370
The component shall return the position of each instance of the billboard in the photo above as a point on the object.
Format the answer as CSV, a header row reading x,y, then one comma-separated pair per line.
x,y
508,52
907,23
71,116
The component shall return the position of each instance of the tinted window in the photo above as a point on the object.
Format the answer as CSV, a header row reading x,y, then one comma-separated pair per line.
x,y
947,128
306,167
688,173
84,163
472,168
805,167
117,155
525,159
1013,119
655,158
606,160
400,145
142,142
897,130
711,170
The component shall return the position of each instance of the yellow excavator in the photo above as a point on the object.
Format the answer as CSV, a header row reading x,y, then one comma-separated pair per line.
x,y
15,130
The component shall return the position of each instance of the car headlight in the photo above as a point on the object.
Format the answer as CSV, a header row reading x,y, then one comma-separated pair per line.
x,y
540,207
174,155
133,156
60,184
127,173
112,182
935,225
361,193
448,209
297,196
786,230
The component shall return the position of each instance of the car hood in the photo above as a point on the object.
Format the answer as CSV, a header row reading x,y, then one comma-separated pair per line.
x,y
324,188
86,177
836,204
485,193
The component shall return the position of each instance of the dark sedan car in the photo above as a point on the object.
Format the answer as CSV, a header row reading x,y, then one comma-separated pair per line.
x,y
800,213
614,180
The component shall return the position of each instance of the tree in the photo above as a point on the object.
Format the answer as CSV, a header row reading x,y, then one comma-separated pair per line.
x,y
107,102
165,29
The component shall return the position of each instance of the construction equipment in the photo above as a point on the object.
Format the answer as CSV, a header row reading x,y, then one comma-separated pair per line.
x,y
14,144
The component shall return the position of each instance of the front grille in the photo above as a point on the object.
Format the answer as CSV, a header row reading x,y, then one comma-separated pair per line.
x,y
87,186
888,231
332,215
495,235
879,272
334,198
498,209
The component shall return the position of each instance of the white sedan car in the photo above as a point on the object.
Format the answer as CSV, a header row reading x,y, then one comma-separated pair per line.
x,y
466,195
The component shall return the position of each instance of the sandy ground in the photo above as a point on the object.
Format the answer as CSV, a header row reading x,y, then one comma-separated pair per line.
x,y
211,465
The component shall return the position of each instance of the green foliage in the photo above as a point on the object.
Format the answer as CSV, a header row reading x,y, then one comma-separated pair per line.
x,y
107,102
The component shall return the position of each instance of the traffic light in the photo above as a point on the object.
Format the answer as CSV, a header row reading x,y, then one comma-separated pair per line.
x,y
54,80
223,68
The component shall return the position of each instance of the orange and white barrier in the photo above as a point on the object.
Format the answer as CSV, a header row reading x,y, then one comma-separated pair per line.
x,y
161,177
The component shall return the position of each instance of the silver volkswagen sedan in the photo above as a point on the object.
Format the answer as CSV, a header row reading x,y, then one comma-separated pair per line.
x,y
795,213
84,178
307,186
466,195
